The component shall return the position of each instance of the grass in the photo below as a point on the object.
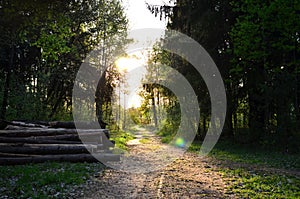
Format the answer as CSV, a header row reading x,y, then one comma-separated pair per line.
x,y
121,138
145,141
44,180
250,183
51,179
227,150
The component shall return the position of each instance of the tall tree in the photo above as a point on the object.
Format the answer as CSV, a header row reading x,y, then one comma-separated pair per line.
x,y
208,22
266,40
43,44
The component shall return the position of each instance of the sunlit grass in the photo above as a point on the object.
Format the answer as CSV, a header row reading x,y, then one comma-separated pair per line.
x,y
250,184
145,140
121,138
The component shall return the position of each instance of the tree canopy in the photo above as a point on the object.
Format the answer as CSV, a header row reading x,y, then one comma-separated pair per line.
x,y
43,44
255,45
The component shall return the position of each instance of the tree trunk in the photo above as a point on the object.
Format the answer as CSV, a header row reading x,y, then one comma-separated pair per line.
x,y
257,105
256,116
8,72
99,97
154,108
228,128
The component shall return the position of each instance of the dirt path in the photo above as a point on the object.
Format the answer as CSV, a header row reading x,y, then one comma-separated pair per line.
x,y
190,176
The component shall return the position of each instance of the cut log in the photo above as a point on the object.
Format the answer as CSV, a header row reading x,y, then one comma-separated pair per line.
x,y
3,124
67,125
49,132
40,149
15,155
41,123
35,139
59,158
24,124
44,140
35,143
71,125
80,124
89,138
11,127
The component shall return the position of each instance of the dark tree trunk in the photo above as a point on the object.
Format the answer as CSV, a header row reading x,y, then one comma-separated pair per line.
x,y
99,99
257,105
228,128
256,118
154,108
57,103
8,71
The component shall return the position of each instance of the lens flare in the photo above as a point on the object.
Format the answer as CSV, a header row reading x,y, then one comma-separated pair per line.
x,y
180,142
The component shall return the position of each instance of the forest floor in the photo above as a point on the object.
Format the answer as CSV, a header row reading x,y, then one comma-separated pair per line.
x,y
190,176
229,171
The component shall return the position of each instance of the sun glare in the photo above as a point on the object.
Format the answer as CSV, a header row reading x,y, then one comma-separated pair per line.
x,y
127,63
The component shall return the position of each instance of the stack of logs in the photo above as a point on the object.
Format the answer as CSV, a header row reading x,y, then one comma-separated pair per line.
x,y
22,143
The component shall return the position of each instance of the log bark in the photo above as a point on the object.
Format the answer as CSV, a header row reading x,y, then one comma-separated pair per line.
x,y
43,149
81,125
59,158
59,139
24,124
35,143
49,132
68,125
88,138
11,155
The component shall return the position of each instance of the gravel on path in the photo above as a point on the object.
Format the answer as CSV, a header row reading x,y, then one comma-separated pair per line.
x,y
189,176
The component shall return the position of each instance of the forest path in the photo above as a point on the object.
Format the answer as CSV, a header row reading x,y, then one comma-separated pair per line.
x,y
189,176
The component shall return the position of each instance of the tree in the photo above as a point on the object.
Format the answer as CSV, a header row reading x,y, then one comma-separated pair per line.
x,y
208,22
265,43
43,44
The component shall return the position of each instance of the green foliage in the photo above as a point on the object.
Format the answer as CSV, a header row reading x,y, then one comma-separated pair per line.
x,y
121,138
265,41
42,47
255,45
134,115
167,131
53,40
45,180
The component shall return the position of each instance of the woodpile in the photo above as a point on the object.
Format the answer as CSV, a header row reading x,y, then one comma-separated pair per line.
x,y
23,142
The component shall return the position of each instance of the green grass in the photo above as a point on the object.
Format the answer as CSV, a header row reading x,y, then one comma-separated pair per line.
x,y
227,150
51,179
144,140
44,180
249,184
121,138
